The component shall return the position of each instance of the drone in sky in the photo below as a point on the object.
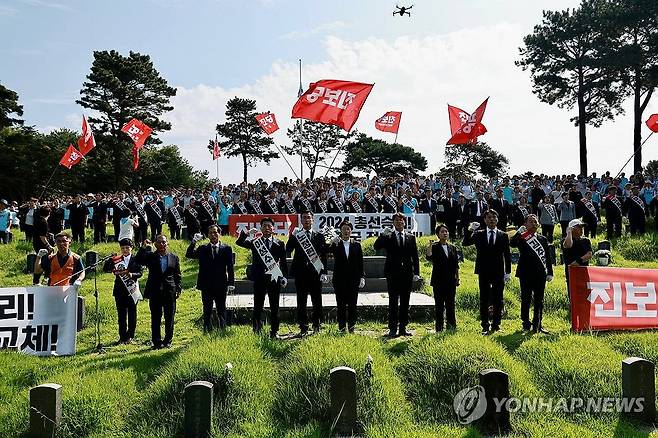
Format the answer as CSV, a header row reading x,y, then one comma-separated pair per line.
x,y
401,10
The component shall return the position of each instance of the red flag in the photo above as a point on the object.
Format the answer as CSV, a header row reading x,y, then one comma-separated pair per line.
x,y
652,122
389,122
71,157
332,102
138,131
135,157
215,149
471,128
86,142
267,121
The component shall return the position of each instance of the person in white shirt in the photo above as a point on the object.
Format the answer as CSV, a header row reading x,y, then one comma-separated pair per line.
x,y
127,226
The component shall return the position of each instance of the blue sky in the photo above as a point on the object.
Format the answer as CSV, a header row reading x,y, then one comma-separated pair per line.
x,y
447,52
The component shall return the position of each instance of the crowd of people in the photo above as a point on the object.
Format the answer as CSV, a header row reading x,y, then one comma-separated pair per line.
x,y
479,212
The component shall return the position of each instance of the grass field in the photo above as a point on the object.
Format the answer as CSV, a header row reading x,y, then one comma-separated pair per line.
x,y
280,388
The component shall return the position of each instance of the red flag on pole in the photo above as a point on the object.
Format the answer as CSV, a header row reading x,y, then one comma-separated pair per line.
x,y
389,122
71,157
472,128
86,142
652,122
267,121
135,157
137,131
332,102
215,149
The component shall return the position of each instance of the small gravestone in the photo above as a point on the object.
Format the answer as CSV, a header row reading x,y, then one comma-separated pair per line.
x,y
81,313
496,386
342,388
604,245
45,410
91,258
29,263
198,409
638,381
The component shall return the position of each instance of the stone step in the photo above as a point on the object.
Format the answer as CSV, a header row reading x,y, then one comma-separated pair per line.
x,y
370,305
243,287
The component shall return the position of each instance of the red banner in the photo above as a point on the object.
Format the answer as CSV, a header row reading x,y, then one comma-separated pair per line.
x,y
469,131
137,131
652,122
389,122
71,157
458,117
332,102
86,142
267,121
215,149
283,223
613,298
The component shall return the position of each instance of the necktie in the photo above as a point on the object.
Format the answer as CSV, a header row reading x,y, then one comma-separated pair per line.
x,y
400,242
268,243
491,237
214,251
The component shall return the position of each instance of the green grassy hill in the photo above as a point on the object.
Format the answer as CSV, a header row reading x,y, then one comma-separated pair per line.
x,y
280,388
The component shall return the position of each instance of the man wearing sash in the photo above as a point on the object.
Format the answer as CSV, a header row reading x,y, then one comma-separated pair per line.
x,y
353,205
270,205
141,233
206,214
175,218
547,217
118,206
255,204
309,267
126,289
389,202
636,210
521,211
613,213
191,216
155,214
241,205
590,214
535,268
335,205
268,272
287,203
370,201
321,202
302,203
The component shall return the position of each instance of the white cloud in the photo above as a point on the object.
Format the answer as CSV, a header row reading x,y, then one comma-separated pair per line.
x,y
322,28
418,76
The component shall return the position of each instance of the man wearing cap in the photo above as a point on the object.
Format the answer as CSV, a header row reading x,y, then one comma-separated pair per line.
x,y
576,249
613,213
5,221
62,268
126,273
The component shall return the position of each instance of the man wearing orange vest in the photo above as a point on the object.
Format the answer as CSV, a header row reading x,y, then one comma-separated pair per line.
x,y
62,268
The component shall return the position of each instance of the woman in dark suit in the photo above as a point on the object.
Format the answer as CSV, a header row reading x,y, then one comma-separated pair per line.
x,y
348,276
445,277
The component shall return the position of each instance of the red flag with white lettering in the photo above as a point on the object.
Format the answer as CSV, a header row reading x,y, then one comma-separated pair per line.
x,y
71,157
215,149
652,122
137,131
389,122
267,121
135,157
469,130
86,142
333,102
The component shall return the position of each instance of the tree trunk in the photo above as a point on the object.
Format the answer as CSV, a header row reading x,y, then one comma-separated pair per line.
x,y
582,126
244,167
637,124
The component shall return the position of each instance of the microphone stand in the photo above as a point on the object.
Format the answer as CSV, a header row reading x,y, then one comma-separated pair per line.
x,y
99,347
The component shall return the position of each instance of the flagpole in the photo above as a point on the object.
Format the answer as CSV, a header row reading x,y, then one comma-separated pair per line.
x,y
48,182
337,152
634,152
301,127
396,138
285,159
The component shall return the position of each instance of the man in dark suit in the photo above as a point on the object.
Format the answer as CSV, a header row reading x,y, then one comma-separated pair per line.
x,y
401,269
216,275
309,267
163,287
123,280
501,206
463,216
493,265
267,281
348,276
155,213
477,207
429,205
99,217
77,218
535,268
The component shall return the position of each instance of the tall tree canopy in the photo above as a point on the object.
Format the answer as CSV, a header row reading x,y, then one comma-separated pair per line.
x,y
318,143
117,89
469,160
242,136
367,154
566,58
8,106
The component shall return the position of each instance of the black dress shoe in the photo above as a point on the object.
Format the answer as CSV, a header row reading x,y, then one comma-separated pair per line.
x,y
166,345
391,334
156,347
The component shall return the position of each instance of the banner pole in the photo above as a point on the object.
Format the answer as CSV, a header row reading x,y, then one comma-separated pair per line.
x,y
286,160
48,182
336,156
631,157
396,138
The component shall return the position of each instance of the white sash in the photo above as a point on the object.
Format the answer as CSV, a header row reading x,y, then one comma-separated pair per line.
x,y
535,245
589,206
242,207
615,200
174,211
193,211
374,204
121,205
407,203
551,212
339,204
156,209
256,206
307,204
131,285
291,208
208,209
273,206
309,249
524,211
638,201
356,206
323,206
389,200
271,266
140,210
